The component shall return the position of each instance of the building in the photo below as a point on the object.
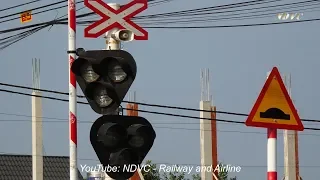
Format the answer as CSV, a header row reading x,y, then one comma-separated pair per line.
x,y
19,167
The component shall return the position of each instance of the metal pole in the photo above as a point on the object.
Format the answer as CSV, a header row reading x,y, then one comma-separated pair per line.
x,y
272,152
72,90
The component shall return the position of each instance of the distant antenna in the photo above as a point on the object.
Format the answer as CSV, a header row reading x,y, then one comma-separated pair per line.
x,y
36,74
205,85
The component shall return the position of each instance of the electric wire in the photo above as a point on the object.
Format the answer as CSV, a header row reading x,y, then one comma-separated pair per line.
x,y
172,13
140,103
19,37
39,7
40,12
144,111
19,5
63,6
233,16
219,7
201,10
61,120
61,22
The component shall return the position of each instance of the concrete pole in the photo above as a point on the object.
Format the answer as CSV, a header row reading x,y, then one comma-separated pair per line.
x,y
205,139
37,144
289,147
214,139
207,146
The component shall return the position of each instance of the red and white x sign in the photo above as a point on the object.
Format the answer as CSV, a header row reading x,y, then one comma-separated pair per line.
x,y
112,18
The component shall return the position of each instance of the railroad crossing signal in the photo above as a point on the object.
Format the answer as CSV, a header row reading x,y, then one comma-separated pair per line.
x,y
112,18
121,142
274,107
104,77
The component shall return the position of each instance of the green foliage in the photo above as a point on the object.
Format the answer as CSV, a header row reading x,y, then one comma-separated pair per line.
x,y
222,175
154,174
196,177
173,176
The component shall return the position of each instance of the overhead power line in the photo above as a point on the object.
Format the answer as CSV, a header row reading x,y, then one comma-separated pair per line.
x,y
229,15
188,16
40,7
19,5
140,103
144,111
60,120
149,17
226,6
7,41
60,22
152,2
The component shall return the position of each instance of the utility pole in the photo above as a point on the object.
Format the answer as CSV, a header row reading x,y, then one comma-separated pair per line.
x,y
208,129
37,142
72,91
291,154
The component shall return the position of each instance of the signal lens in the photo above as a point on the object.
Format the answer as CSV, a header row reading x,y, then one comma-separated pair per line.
x,y
115,72
101,96
88,73
140,135
111,134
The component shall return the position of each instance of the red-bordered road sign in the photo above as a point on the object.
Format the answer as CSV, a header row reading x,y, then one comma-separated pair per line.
x,y
112,18
274,107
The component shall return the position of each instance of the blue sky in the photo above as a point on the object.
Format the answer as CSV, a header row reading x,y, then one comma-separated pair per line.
x,y
169,66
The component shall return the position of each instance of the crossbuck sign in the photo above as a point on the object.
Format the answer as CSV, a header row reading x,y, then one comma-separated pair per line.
x,y
112,18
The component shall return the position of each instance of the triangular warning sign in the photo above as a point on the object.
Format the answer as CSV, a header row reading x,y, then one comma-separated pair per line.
x,y
274,107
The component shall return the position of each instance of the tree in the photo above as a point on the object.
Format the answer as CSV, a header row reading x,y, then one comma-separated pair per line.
x,y
153,173
174,176
222,175
196,177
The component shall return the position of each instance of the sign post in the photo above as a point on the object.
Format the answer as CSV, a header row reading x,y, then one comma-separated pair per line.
x,y
274,110
73,135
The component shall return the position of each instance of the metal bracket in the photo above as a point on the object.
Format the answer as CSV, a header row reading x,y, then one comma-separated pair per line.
x,y
120,110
